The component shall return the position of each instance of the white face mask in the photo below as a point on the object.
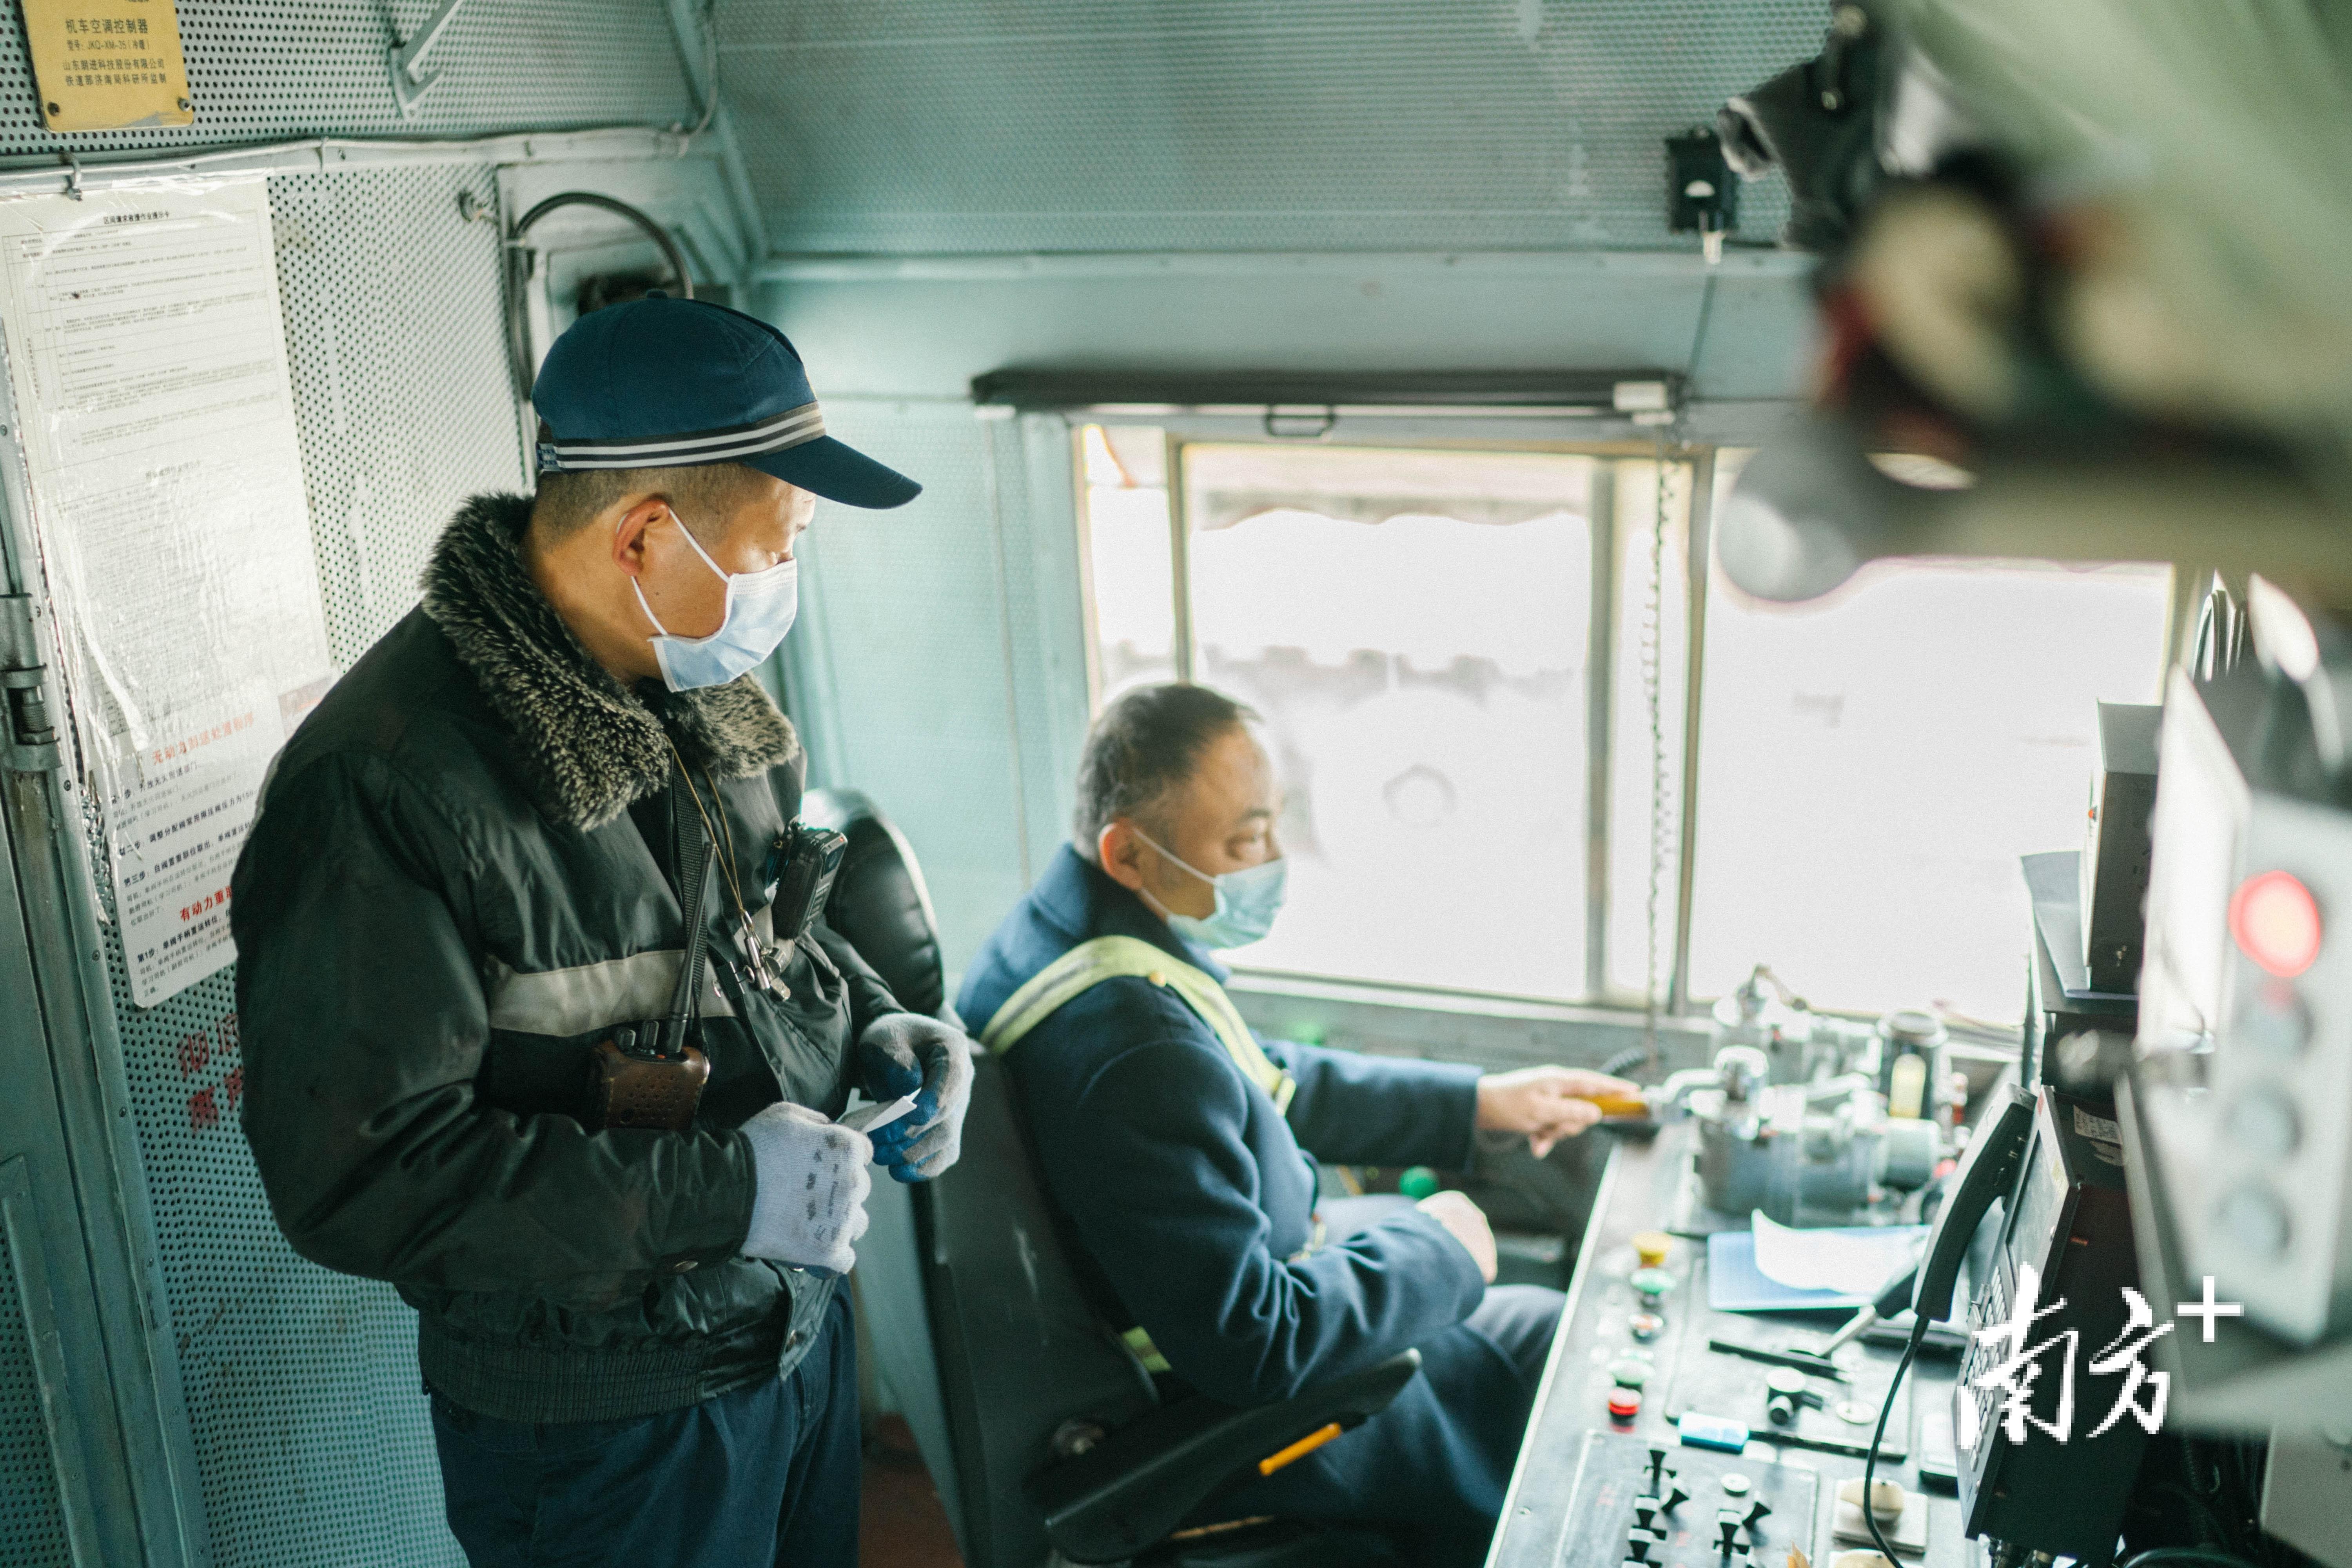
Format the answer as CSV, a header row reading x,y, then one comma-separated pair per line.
x,y
760,607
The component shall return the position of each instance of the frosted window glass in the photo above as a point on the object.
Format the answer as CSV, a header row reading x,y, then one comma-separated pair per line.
x,y
1873,763
1413,627
1132,587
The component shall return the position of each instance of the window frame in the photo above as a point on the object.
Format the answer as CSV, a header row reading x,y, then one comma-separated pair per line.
x,y
1546,433
1702,435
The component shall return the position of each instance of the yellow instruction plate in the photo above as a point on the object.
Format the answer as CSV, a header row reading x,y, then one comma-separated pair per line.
x,y
105,64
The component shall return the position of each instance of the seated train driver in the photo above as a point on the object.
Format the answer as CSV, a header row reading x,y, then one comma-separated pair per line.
x,y
1177,1145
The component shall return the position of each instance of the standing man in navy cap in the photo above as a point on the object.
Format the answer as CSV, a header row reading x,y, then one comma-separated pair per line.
x,y
539,1022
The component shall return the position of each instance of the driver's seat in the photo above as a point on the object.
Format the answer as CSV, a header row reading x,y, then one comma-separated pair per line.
x,y
1046,1438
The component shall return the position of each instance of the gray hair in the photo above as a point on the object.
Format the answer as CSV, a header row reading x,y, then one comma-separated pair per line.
x,y
1143,748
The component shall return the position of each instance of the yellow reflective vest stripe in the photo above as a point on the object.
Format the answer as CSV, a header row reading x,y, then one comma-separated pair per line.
x,y
1090,963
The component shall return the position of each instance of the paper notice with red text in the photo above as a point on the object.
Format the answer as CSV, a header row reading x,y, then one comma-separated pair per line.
x,y
154,406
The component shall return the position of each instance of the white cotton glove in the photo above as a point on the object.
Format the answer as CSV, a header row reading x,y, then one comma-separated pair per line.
x,y
809,1202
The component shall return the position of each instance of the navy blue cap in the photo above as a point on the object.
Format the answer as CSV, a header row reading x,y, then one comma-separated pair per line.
x,y
663,384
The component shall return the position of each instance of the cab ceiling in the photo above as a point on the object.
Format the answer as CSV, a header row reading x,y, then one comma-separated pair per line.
x,y
909,126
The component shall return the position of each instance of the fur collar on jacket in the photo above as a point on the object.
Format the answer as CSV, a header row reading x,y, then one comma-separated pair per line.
x,y
594,745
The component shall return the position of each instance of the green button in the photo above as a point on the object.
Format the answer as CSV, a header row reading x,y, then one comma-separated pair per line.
x,y
1417,1182
1651,1282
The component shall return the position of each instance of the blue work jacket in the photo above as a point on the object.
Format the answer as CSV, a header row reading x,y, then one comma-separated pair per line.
x,y
1190,1198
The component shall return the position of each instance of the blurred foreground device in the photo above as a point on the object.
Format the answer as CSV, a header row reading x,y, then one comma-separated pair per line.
x,y
2246,997
2240,1152
2069,1242
1981,387
2307,1495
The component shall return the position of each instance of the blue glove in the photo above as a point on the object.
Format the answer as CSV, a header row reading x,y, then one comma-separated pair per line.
x,y
907,1053
887,1067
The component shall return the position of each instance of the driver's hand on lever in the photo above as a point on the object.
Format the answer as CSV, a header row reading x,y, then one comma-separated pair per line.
x,y
1547,1103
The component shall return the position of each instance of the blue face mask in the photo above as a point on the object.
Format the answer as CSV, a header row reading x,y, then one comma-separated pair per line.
x,y
1247,901
759,610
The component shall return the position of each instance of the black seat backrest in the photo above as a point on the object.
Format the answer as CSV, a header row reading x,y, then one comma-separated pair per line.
x,y
1020,1350
1016,1349
878,898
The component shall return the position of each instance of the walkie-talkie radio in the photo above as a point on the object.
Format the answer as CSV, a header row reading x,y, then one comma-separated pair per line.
x,y
645,1077
802,867
648,1075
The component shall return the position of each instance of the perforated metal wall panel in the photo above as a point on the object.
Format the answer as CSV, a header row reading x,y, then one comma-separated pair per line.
x,y
32,1528
267,70
310,1432
887,125
401,384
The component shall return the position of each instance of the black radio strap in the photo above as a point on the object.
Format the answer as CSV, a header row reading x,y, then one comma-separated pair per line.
x,y
693,867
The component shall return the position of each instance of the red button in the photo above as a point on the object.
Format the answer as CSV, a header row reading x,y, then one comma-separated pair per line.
x,y
2276,922
1625,1404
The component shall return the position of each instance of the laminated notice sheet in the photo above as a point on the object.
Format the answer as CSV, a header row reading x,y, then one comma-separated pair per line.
x,y
148,361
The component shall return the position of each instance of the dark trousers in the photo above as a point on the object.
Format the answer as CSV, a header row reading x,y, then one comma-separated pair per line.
x,y
766,1474
1432,1468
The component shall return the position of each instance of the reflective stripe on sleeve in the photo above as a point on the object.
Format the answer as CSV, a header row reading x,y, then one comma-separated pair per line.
x,y
592,996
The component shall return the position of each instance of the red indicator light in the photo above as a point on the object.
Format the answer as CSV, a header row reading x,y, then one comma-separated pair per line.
x,y
1625,1404
2276,922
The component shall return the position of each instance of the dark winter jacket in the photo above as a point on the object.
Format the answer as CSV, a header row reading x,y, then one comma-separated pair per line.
x,y
457,883
1189,1193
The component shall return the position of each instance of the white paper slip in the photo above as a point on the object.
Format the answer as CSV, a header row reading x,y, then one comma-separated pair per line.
x,y
866,1117
1851,1261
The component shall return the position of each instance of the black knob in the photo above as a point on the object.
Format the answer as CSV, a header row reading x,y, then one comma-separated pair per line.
x,y
1756,1514
1673,1497
1729,1528
1780,1410
1637,1548
1644,1510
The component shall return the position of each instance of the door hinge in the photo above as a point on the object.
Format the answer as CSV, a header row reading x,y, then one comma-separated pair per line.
x,y
32,731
